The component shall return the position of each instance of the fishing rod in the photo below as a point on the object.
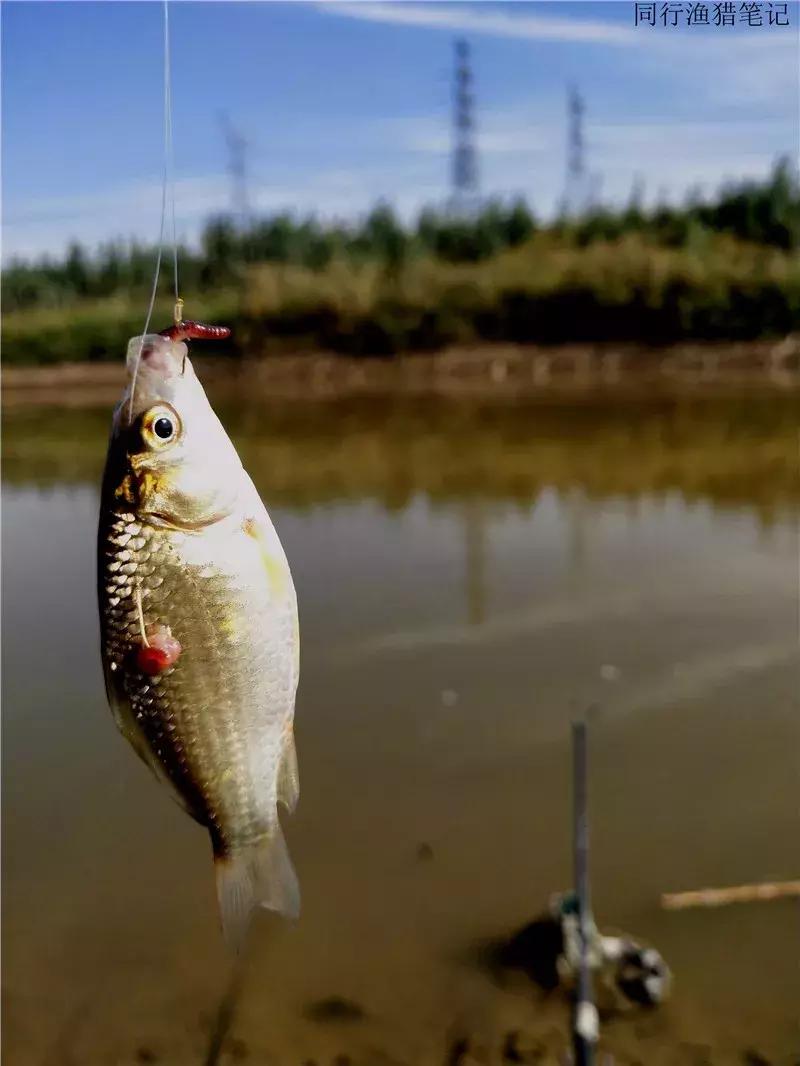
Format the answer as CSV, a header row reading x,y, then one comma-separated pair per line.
x,y
584,1020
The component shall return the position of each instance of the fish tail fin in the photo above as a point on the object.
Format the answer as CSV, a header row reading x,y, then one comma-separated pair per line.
x,y
255,875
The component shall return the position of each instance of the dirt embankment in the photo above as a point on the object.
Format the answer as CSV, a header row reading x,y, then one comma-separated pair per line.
x,y
511,370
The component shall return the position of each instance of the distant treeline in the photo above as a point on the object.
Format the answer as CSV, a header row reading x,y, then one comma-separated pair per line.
x,y
723,271
764,213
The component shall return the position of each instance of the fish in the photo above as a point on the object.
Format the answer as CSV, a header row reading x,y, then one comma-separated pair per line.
x,y
199,628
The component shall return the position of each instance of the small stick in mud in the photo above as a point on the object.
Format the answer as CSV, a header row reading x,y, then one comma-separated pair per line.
x,y
719,897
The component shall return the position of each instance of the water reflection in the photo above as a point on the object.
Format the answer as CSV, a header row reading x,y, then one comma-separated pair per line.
x,y
726,450
475,522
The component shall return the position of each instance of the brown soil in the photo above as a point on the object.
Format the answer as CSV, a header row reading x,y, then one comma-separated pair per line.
x,y
497,370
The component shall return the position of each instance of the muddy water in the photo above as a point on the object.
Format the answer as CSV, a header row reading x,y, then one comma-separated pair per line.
x,y
469,577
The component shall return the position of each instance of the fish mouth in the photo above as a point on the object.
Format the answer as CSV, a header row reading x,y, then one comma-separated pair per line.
x,y
183,525
155,365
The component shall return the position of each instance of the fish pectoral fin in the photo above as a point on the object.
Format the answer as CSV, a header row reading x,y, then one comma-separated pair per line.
x,y
276,569
129,727
255,875
131,730
288,776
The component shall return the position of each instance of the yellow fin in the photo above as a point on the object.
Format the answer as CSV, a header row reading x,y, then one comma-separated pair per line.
x,y
288,776
274,566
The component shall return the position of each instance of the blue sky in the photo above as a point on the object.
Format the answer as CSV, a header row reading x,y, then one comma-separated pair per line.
x,y
345,103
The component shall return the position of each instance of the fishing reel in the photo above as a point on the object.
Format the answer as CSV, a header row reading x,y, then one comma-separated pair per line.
x,y
638,974
642,976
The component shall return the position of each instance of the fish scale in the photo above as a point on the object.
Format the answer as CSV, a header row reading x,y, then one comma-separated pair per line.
x,y
189,604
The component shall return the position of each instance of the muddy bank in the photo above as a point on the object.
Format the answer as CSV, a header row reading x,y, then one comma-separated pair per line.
x,y
498,370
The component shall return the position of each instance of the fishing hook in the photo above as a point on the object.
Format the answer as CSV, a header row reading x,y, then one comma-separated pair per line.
x,y
191,331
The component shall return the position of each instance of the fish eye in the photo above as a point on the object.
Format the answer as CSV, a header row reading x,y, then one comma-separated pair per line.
x,y
163,427
160,426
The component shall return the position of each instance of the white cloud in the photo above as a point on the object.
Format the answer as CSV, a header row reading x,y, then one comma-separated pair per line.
x,y
754,67
47,225
672,157
499,132
471,19
756,71
525,152
194,195
518,156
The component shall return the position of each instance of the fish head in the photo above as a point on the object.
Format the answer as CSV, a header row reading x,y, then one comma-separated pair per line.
x,y
170,459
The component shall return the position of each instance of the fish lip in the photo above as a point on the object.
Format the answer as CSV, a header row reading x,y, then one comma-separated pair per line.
x,y
162,521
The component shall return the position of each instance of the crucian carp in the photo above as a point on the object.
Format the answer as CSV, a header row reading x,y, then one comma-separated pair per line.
x,y
198,620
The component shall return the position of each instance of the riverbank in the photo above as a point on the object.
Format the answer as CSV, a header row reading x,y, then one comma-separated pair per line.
x,y
502,370
630,290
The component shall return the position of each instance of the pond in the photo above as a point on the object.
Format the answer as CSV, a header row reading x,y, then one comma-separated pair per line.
x,y
471,576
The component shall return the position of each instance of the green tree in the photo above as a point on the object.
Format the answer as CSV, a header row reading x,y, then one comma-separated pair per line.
x,y
76,270
221,250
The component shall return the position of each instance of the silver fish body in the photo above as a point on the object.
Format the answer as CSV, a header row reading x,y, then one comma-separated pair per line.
x,y
186,546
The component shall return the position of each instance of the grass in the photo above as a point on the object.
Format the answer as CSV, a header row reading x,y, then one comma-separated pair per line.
x,y
545,291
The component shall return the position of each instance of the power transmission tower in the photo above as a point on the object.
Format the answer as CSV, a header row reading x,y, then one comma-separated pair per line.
x,y
575,191
465,160
237,168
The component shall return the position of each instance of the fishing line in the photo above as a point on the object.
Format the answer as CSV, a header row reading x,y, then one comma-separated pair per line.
x,y
170,159
167,180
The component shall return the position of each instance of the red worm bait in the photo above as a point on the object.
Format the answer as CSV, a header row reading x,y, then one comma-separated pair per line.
x,y
160,651
195,331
